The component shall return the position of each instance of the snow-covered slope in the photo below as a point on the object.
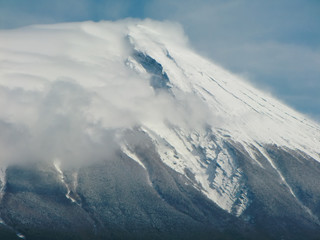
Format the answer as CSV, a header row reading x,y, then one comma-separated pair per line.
x,y
62,85
240,113
249,114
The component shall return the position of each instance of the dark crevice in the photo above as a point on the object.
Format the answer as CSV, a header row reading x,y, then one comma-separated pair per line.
x,y
159,79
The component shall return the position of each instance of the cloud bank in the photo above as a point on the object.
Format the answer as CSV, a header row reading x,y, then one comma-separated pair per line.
x,y
66,92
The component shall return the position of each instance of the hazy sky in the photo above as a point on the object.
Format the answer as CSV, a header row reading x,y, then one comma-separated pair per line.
x,y
275,44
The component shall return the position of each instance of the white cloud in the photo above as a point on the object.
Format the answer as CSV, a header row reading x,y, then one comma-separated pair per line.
x,y
65,90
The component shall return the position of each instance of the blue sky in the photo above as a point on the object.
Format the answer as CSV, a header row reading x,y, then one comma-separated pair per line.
x,y
275,44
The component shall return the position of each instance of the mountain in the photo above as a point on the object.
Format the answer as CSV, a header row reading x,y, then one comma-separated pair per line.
x,y
119,130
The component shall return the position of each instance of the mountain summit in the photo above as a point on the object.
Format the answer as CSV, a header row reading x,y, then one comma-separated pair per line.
x,y
119,130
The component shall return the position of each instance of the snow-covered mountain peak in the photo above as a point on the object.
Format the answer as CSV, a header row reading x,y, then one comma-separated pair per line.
x,y
65,88
247,114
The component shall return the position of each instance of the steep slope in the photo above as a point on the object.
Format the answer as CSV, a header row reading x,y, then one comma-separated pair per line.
x,y
119,130
243,116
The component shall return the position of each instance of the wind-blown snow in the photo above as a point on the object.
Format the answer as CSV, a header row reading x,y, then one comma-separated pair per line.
x,y
64,87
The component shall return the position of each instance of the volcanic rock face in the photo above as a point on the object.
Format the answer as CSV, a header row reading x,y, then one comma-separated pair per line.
x,y
117,130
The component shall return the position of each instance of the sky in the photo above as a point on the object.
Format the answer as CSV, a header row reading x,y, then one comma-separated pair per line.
x,y
273,44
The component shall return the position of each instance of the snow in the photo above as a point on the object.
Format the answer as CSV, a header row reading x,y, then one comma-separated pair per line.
x,y
249,114
57,165
265,154
131,155
20,235
177,150
240,111
97,57
3,182
2,192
